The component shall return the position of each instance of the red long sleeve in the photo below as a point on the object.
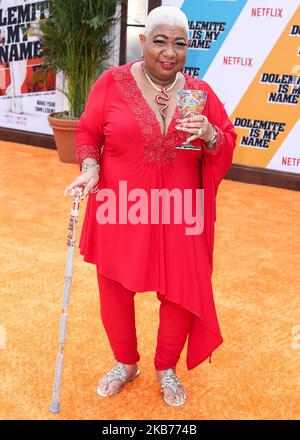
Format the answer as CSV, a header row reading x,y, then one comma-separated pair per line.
x,y
89,133
217,115
221,153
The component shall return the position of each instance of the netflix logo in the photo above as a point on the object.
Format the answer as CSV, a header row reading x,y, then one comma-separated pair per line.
x,y
237,61
291,161
267,12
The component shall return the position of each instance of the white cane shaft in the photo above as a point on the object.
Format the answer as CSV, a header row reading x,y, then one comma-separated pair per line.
x,y
65,303
57,380
63,328
68,277
59,363
69,268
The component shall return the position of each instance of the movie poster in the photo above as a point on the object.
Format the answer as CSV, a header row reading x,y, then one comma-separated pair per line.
x,y
27,86
249,52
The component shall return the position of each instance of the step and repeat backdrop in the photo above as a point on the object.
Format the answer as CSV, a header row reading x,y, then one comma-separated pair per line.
x,y
27,87
249,53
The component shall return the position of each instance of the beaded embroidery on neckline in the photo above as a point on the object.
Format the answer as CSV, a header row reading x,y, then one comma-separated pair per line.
x,y
158,148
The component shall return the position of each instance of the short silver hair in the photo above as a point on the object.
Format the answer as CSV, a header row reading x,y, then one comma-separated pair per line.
x,y
166,15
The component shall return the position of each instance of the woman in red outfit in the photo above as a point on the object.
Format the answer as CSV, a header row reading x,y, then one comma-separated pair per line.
x,y
132,140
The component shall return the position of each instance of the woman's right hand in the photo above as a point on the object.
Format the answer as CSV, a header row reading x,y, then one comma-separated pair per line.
x,y
86,181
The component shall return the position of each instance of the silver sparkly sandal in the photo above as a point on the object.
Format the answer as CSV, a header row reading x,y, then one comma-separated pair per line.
x,y
117,372
170,380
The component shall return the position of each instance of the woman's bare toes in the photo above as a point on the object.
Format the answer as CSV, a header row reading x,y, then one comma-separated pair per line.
x,y
103,383
180,395
169,394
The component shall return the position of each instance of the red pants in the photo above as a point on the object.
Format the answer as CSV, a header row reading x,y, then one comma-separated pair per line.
x,y
118,317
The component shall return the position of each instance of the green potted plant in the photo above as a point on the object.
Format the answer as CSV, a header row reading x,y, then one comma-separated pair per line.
x,y
75,40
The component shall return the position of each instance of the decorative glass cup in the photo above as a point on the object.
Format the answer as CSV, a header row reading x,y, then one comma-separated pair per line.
x,y
190,103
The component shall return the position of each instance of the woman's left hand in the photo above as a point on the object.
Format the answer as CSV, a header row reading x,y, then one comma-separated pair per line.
x,y
198,126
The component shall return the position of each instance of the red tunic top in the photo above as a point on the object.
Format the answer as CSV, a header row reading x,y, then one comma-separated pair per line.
x,y
154,257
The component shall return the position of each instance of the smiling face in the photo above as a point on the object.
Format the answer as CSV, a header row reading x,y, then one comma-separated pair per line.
x,y
164,52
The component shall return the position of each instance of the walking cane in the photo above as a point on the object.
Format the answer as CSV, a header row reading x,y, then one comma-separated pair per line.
x,y
72,230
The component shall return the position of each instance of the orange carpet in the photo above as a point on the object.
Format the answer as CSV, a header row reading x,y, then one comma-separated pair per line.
x,y
254,374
